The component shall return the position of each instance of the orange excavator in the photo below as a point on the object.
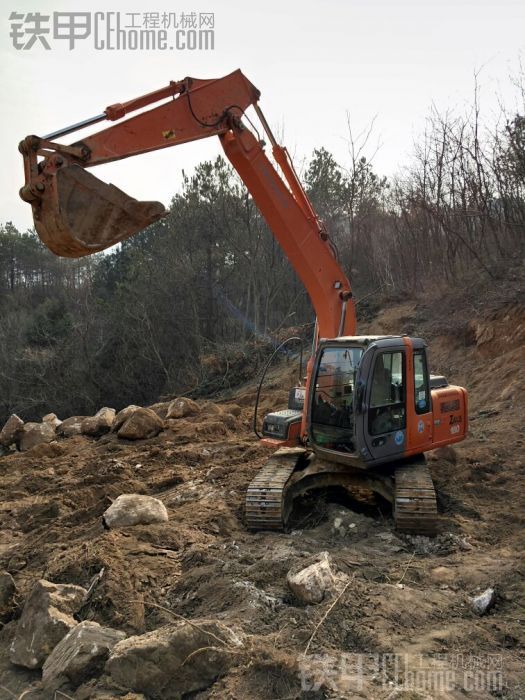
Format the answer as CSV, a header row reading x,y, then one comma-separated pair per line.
x,y
369,409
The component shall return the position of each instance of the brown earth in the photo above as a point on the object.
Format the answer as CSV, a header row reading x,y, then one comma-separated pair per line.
x,y
407,596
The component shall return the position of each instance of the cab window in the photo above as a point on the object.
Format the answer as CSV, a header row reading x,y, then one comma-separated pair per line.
x,y
332,419
387,394
421,384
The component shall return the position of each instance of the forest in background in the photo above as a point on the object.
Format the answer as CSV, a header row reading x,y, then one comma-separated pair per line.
x,y
208,286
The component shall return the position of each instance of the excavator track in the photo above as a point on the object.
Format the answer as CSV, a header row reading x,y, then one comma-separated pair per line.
x,y
267,507
415,507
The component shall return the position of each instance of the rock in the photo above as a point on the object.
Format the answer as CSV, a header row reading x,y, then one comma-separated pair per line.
x,y
234,409
7,593
314,583
483,602
210,409
52,419
11,430
216,472
158,663
46,618
446,453
143,423
71,426
229,421
135,509
161,409
122,417
100,423
213,427
180,408
33,434
80,655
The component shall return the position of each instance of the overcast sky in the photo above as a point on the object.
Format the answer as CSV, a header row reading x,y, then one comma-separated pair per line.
x,y
313,62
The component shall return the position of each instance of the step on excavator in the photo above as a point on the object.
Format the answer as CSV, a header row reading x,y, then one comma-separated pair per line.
x,y
369,409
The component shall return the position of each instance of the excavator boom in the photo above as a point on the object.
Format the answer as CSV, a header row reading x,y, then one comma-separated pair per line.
x,y
77,214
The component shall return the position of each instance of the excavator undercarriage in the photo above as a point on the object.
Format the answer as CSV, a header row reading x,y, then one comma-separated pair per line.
x,y
292,472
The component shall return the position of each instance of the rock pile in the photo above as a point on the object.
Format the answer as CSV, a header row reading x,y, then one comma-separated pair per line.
x,y
131,423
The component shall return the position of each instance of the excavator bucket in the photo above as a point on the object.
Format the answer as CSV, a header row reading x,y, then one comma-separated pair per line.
x,y
78,214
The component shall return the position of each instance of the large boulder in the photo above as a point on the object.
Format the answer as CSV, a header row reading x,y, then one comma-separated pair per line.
x,y
143,423
71,426
314,583
122,416
11,430
180,408
80,655
134,509
46,618
100,423
33,434
174,660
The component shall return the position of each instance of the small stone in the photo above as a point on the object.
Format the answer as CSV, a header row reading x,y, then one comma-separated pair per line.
x,y
234,409
315,582
180,408
46,618
134,509
337,523
7,593
33,434
79,655
447,453
11,430
100,423
483,602
210,409
52,419
229,421
213,427
143,423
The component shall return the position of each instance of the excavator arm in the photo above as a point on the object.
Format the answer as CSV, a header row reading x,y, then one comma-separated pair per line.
x,y
77,214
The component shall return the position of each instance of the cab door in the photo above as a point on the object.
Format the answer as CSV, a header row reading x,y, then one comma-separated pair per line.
x,y
419,401
381,401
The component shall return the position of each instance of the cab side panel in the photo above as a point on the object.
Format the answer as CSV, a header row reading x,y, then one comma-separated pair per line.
x,y
450,415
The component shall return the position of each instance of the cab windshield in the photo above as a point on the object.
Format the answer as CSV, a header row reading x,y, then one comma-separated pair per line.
x,y
332,421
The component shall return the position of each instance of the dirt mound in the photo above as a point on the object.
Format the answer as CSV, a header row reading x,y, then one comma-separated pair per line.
x,y
408,596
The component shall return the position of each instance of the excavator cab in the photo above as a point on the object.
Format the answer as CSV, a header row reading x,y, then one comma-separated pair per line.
x,y
372,401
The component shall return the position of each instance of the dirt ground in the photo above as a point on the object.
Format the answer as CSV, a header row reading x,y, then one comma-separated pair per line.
x,y
405,610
